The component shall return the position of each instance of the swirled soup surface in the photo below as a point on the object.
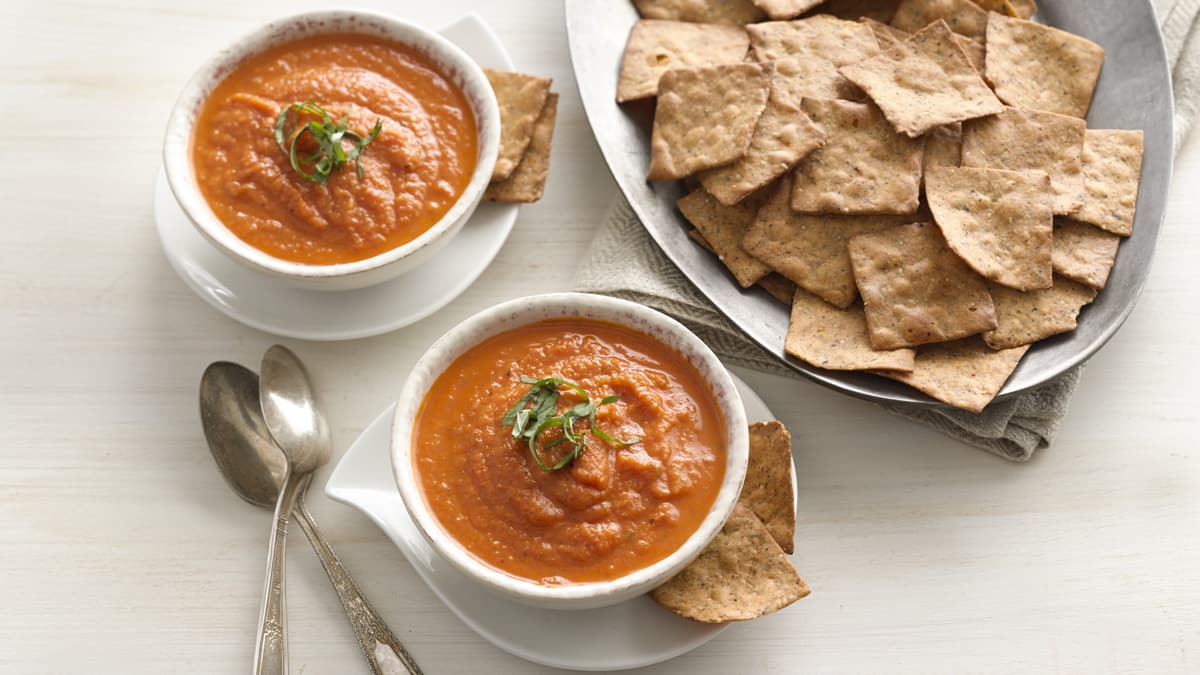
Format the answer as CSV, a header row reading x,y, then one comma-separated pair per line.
x,y
413,171
615,509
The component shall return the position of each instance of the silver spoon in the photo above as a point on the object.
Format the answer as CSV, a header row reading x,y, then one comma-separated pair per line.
x,y
255,468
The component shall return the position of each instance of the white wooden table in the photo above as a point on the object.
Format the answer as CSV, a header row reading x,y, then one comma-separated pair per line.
x,y
123,551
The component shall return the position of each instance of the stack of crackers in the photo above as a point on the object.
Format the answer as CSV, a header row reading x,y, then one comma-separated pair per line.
x,y
527,113
914,176
744,573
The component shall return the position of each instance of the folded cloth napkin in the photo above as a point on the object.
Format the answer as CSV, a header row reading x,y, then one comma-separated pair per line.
x,y
624,262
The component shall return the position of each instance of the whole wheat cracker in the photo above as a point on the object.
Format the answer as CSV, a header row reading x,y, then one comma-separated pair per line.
x,y
1083,252
963,16
778,10
654,47
527,182
723,228
767,489
700,11
1112,169
838,41
1024,317
837,339
965,373
797,78
521,99
1032,65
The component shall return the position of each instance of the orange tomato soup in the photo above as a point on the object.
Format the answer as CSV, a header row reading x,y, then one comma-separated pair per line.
x,y
413,171
614,509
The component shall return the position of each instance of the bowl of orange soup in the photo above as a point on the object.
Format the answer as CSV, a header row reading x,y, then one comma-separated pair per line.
x,y
569,450
333,149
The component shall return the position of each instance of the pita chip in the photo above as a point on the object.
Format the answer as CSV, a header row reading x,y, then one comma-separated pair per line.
x,y
723,228
836,339
966,374
1023,318
1083,253
1031,65
522,99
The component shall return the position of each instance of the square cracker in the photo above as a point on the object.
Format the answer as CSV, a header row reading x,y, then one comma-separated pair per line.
x,y
1024,140
811,250
767,489
963,16
966,373
924,82
836,339
1112,170
705,117
522,99
878,10
916,290
743,574
527,182
723,228
783,136
700,11
1025,317
799,77
1083,253
778,286
777,10
1035,66
655,47
835,40
864,166
999,222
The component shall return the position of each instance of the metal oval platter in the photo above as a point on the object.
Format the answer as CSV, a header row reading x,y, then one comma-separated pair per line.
x,y
1134,92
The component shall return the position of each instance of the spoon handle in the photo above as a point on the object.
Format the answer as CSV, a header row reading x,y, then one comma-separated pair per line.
x,y
384,653
270,649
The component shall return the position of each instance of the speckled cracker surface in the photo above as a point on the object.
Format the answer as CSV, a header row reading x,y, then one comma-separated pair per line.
x,y
767,489
1025,317
778,286
1112,170
705,117
743,574
963,16
723,228
916,290
976,51
527,182
1031,65
835,40
887,36
655,47
783,136
522,99
943,147
853,10
700,11
836,339
1024,140
777,10
924,82
801,77
999,222
865,167
1083,253
811,249
966,373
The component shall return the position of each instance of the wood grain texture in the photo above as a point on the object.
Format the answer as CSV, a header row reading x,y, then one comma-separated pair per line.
x,y
124,551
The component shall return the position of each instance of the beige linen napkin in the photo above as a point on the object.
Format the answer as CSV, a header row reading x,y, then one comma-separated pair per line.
x,y
624,262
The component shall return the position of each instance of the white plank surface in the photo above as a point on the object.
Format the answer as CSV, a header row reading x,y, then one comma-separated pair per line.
x,y
124,552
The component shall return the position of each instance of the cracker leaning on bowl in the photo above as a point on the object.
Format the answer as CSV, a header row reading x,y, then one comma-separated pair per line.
x,y
528,110
930,156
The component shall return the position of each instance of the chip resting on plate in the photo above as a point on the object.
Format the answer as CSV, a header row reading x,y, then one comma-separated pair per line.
x,y
835,40
963,16
999,222
853,10
966,373
521,98
655,47
1025,317
783,136
924,82
785,9
700,11
1025,140
743,574
1031,65
836,339
916,290
767,489
1112,169
527,182
864,166
723,228
1083,253
705,117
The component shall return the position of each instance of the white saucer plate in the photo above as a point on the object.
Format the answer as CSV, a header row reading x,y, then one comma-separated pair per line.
x,y
628,635
271,305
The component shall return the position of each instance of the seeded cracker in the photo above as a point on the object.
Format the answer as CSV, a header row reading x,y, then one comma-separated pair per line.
x,y
655,47
966,373
522,99
963,16
527,183
916,290
925,82
785,9
782,137
743,574
723,228
799,77
1112,169
836,339
1023,140
865,167
767,490
700,11
705,117
1083,253
878,10
837,41
998,221
1026,317
1042,68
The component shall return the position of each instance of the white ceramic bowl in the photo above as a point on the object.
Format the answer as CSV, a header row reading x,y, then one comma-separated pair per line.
x,y
451,60
537,308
